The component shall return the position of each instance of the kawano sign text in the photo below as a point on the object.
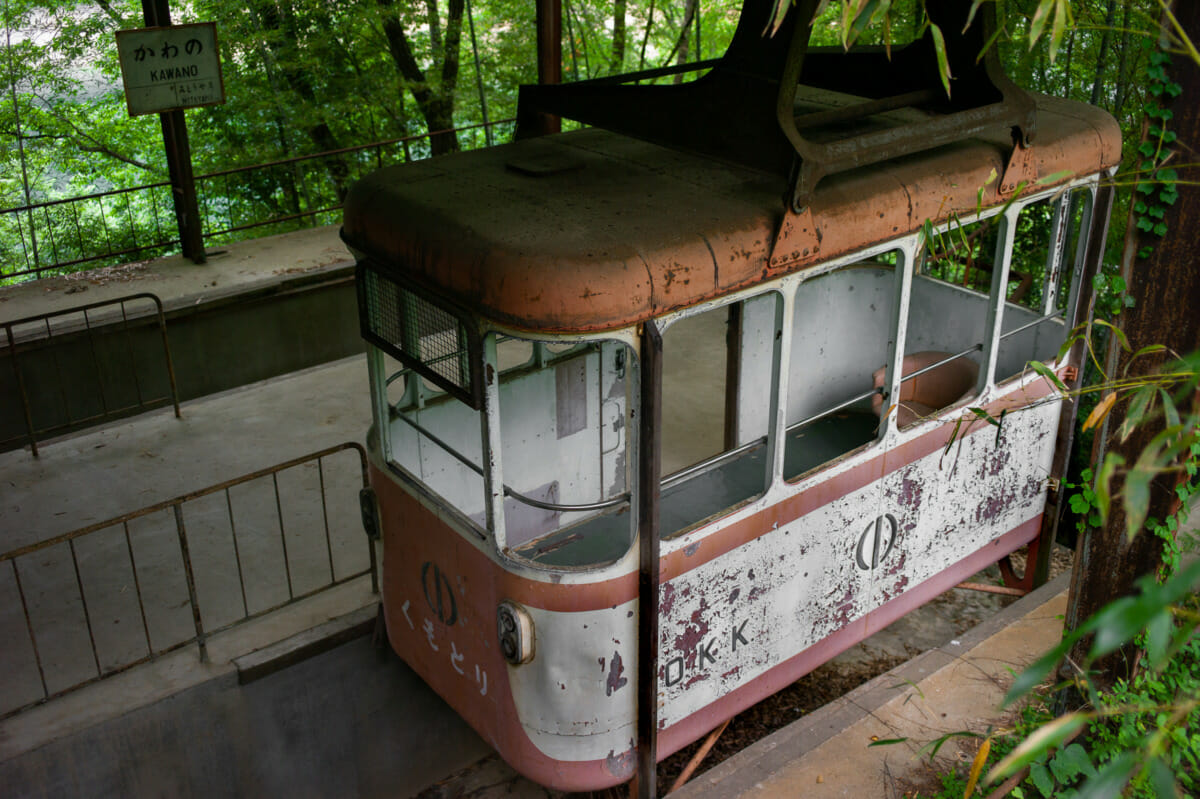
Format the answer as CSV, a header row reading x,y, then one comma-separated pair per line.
x,y
170,68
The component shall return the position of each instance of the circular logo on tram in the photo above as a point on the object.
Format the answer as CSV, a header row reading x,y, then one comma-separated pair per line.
x,y
876,541
439,593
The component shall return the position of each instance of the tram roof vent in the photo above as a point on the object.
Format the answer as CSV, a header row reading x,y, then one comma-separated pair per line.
x,y
775,103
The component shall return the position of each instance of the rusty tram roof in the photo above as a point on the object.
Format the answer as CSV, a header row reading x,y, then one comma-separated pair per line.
x,y
591,230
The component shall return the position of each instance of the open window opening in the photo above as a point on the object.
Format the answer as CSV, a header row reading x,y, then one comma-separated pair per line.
x,y
719,379
1048,252
565,418
841,339
431,435
948,315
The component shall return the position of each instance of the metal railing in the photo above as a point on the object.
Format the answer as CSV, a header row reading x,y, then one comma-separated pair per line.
x,y
94,583
26,336
126,224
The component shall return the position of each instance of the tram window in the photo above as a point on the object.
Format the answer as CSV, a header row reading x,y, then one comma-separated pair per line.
x,y
840,337
718,374
432,436
565,419
962,254
1046,254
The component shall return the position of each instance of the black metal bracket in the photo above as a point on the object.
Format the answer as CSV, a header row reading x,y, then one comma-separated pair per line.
x,y
749,109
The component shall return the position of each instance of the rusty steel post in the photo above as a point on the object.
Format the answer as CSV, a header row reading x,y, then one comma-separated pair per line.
x,y
191,581
12,354
1165,288
549,54
1037,569
157,14
649,468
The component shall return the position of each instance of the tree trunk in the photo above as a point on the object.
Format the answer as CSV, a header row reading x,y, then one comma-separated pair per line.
x,y
617,63
270,18
1122,61
1110,16
435,99
1166,292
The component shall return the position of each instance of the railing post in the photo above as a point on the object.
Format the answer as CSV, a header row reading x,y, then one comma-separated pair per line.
x,y
191,581
12,354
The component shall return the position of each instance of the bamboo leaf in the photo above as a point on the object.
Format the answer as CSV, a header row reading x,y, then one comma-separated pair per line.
x,y
1169,409
1116,332
939,48
1053,177
977,767
1162,779
1048,373
1112,461
1100,411
1136,498
1139,408
971,14
980,413
1118,623
1042,740
1038,24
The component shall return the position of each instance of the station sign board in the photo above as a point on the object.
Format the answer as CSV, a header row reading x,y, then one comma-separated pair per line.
x,y
172,67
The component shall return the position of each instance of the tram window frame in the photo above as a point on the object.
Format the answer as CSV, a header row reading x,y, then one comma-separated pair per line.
x,y
532,522
861,409
1026,325
419,395
716,485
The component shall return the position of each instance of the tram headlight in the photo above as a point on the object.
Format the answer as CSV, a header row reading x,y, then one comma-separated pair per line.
x,y
369,506
515,630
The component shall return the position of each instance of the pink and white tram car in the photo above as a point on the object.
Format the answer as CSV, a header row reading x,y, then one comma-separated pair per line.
x,y
587,347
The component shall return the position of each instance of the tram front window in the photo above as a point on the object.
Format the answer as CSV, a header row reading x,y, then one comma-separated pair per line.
x,y
565,422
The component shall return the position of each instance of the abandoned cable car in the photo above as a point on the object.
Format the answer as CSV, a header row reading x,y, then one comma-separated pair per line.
x,y
719,373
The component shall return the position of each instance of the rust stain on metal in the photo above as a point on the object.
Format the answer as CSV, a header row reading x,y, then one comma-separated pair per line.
x,y
615,681
621,765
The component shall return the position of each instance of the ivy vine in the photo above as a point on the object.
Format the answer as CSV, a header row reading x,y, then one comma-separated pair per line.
x,y
1157,187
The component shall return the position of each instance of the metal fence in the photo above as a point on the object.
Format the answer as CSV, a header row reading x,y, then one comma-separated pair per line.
x,y
111,357
107,597
139,222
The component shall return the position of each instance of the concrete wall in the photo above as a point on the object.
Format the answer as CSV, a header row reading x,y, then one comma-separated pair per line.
x,y
349,722
215,345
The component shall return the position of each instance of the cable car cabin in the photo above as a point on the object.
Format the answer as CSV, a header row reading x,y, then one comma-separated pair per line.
x,y
587,344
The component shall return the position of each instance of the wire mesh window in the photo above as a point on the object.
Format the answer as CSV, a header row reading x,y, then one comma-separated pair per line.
x,y
429,339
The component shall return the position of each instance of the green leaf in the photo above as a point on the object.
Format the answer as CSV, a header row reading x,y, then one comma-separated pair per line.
x,y
980,413
1158,639
971,14
1112,461
1169,409
1116,330
1112,778
1040,741
1040,775
1048,373
939,48
1038,24
1118,623
887,742
1162,779
1136,499
1073,760
1142,404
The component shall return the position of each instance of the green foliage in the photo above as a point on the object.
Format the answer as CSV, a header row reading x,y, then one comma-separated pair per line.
x,y
1157,184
